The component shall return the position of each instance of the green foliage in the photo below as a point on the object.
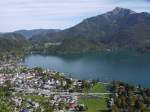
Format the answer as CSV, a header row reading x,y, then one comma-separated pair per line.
x,y
38,69
94,104
13,44
47,107
5,106
5,92
99,88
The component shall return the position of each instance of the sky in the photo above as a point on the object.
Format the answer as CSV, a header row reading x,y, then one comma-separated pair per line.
x,y
58,14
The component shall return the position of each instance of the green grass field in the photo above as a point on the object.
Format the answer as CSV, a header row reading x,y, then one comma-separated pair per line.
x,y
36,98
99,88
94,105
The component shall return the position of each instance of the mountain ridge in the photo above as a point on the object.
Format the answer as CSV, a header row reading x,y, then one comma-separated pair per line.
x,y
12,43
102,16
120,28
29,33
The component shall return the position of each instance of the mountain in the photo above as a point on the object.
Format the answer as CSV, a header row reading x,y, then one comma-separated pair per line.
x,y
12,42
29,33
118,29
95,27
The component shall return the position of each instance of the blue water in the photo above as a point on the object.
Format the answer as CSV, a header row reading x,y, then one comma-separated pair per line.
x,y
129,67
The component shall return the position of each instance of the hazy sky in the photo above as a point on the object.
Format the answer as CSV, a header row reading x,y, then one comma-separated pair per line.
x,y
57,14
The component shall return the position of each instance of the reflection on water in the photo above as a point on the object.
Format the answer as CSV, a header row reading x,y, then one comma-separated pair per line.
x,y
132,68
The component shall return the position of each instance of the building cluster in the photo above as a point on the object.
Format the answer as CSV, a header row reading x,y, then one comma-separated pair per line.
x,y
32,87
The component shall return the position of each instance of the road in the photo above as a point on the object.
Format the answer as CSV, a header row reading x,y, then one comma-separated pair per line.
x,y
48,92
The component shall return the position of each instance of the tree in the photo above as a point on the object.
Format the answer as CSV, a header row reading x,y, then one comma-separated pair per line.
x,y
47,107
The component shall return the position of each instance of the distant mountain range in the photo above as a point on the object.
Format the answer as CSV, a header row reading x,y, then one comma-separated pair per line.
x,y
29,33
93,28
118,29
12,42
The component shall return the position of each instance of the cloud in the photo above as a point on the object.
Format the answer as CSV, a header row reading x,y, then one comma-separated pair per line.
x,y
29,14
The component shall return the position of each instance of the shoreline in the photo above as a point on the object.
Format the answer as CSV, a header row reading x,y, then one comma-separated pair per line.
x,y
33,86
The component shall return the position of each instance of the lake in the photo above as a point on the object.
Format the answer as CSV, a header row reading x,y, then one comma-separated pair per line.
x,y
129,67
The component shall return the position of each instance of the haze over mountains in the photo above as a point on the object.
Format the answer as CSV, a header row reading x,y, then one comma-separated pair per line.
x,y
118,29
29,33
12,41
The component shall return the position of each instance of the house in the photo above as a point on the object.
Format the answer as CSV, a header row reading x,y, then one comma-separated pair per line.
x,y
2,80
24,110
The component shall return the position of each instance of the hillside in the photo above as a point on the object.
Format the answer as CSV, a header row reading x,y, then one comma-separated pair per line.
x,y
118,29
29,33
12,42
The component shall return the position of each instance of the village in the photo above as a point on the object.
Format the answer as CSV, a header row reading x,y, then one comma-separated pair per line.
x,y
43,90
24,89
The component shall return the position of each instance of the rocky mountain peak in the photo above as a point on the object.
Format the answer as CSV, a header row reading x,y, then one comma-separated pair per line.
x,y
119,10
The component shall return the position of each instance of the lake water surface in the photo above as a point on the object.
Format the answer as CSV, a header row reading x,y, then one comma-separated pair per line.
x,y
130,67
